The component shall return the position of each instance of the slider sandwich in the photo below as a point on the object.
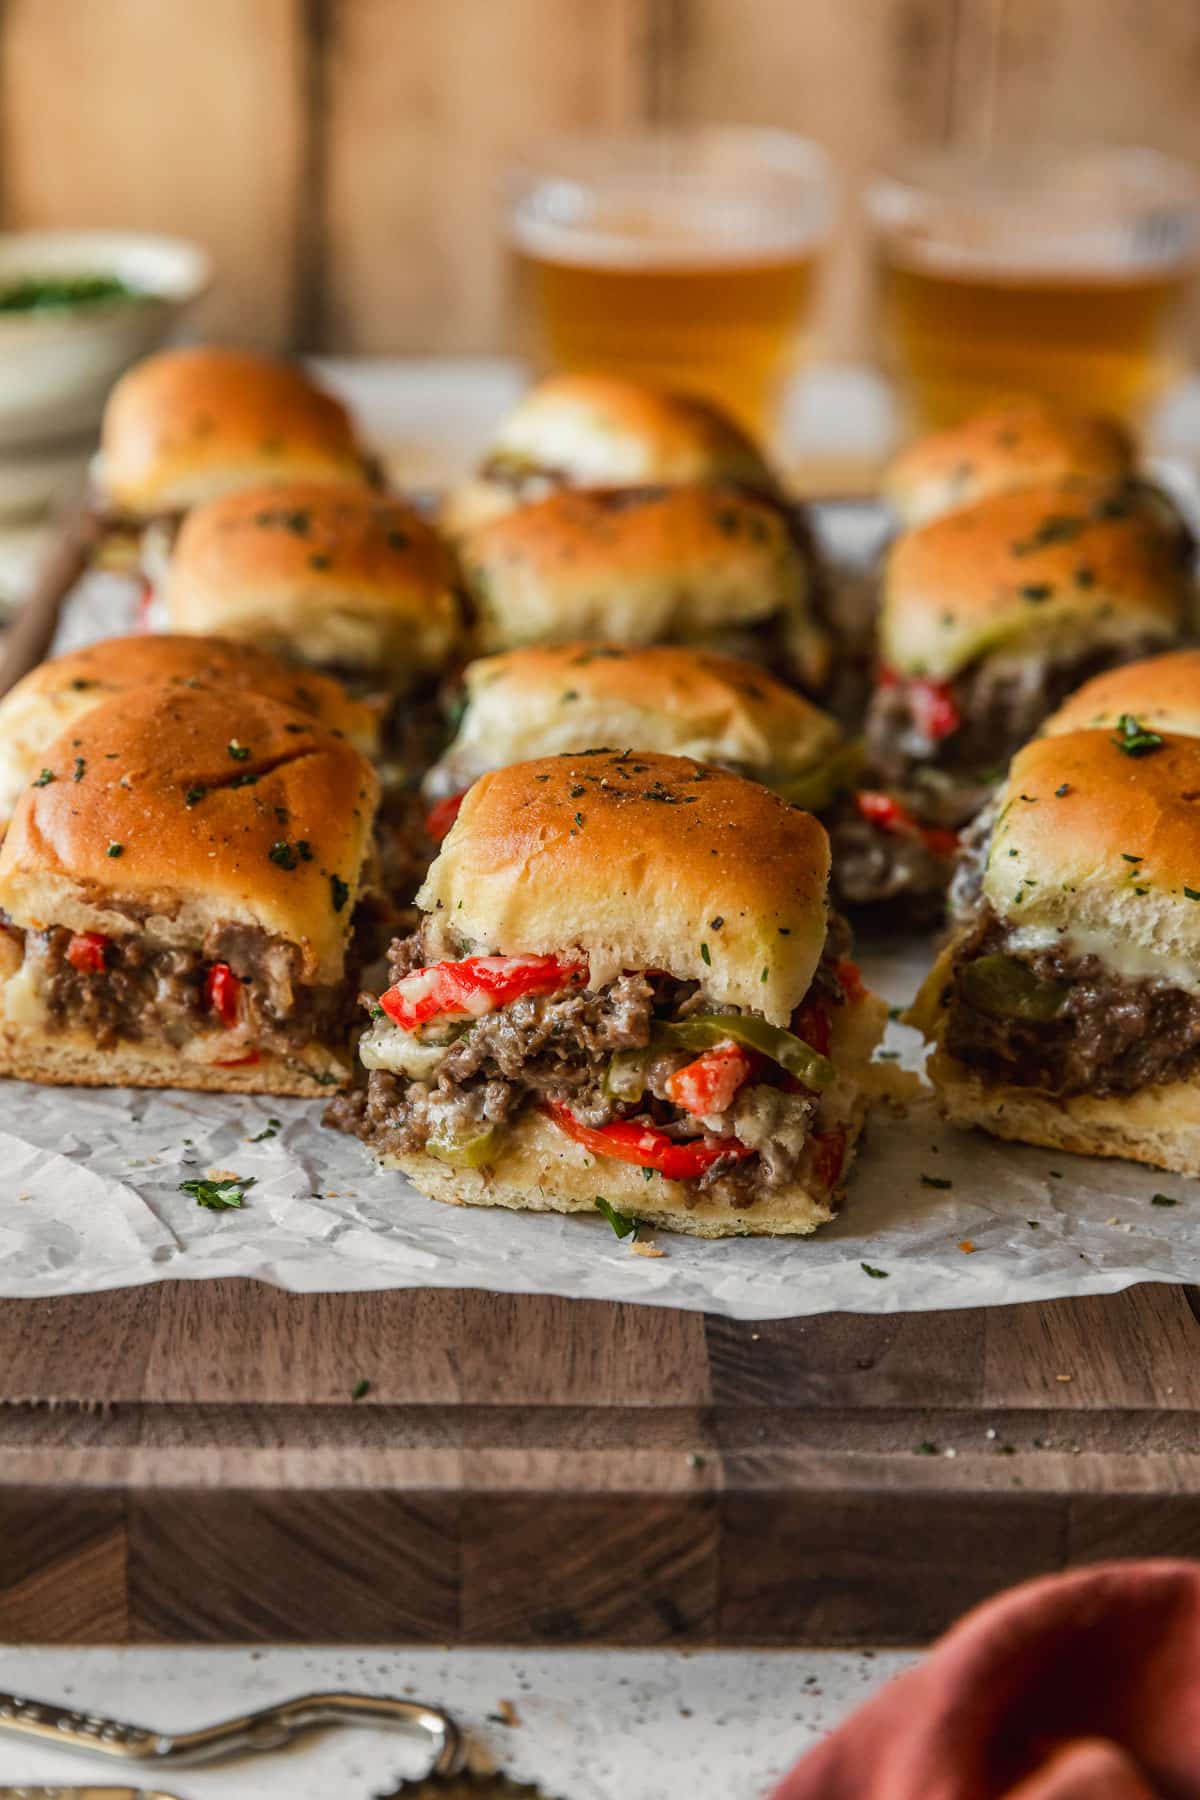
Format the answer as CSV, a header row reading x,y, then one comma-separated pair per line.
x,y
992,614
56,694
1025,443
179,892
711,567
1161,693
188,425
1065,1011
575,431
344,580
557,698
626,986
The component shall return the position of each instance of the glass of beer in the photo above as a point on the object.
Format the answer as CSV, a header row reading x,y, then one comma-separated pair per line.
x,y
683,256
1058,273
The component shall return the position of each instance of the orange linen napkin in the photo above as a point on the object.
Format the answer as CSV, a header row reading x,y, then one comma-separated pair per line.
x,y
1080,1687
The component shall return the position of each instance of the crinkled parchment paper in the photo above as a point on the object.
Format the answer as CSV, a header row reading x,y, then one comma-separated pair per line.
x,y
90,1199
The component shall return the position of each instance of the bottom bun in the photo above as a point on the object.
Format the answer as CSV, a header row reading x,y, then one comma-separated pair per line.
x,y
70,1059
540,1169
1157,1125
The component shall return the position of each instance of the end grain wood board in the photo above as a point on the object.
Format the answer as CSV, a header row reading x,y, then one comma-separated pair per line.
x,y
186,1463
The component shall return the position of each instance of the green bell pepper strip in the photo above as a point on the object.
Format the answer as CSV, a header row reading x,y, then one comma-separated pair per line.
x,y
818,785
464,1153
703,1030
1006,988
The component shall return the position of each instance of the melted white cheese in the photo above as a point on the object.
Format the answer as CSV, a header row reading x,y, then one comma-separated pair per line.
x,y
1121,956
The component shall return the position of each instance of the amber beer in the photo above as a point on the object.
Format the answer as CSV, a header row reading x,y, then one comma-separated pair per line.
x,y
688,259
958,339
1061,273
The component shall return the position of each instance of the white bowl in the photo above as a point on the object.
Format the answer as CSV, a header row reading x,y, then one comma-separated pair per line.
x,y
57,366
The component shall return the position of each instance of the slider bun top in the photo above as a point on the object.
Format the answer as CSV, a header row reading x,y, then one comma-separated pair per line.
x,y
204,832
637,566
186,425
605,431
1022,444
1100,850
1063,568
319,573
640,862
1160,692
562,697
57,693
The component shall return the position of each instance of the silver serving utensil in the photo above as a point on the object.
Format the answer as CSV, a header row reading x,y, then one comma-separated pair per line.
x,y
269,1729
81,1793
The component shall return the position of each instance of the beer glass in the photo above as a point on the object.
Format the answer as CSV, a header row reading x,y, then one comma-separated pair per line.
x,y
1054,272
686,256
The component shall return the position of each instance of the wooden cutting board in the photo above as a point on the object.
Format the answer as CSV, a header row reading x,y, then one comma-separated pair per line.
x,y
187,1463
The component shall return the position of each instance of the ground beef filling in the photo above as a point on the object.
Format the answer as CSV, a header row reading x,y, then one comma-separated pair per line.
x,y
148,991
1106,1035
1001,705
558,1046
872,865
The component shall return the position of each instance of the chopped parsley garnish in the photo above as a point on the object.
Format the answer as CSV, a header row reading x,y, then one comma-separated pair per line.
x,y
1126,857
1060,791
339,892
1162,1200
925,1448
621,1223
115,849
1191,893
361,1389
1036,591
239,752
578,792
272,1130
705,958
318,561
80,766
225,1195
283,854
875,1274
1135,739
397,540
45,778
936,1181
194,796
717,923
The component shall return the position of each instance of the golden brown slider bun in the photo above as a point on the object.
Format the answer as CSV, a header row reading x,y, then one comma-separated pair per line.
x,y
1160,692
604,431
186,807
1099,852
548,699
698,565
1062,568
1096,845
539,1169
323,574
630,858
186,425
1024,443
57,693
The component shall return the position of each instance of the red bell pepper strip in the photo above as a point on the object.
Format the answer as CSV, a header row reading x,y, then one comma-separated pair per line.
x,y
441,817
87,952
933,705
829,1157
627,1141
811,1022
235,1062
850,980
885,811
707,1086
474,986
222,993
933,709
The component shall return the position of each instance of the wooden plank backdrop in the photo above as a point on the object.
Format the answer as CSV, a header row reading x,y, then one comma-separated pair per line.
x,y
341,157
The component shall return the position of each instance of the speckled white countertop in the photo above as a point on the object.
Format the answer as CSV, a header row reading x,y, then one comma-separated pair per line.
x,y
589,1725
